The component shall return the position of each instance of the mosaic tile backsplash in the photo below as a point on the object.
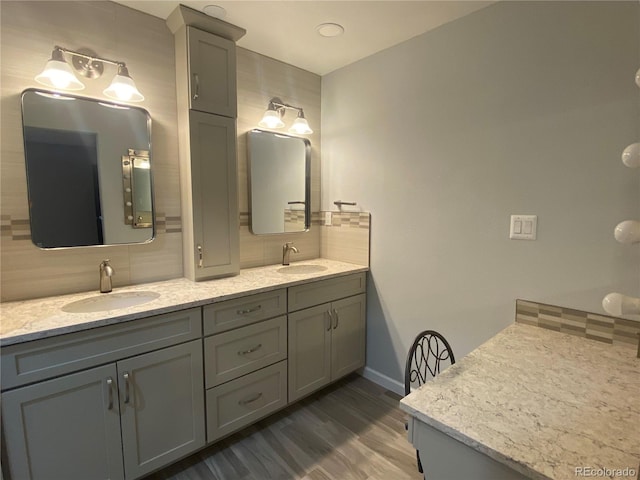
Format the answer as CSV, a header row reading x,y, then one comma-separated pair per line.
x,y
602,328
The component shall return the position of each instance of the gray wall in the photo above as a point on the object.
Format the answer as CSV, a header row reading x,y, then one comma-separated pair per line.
x,y
520,108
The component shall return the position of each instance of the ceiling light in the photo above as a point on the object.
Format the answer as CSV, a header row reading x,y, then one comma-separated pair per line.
x,y
330,29
215,11
272,118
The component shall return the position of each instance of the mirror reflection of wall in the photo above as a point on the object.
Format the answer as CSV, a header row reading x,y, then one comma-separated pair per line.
x,y
73,152
279,171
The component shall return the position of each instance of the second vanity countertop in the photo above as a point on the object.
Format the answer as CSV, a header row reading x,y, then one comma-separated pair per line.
x,y
542,402
29,320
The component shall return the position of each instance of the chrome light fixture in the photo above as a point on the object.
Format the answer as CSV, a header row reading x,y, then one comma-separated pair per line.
x,y
58,74
273,117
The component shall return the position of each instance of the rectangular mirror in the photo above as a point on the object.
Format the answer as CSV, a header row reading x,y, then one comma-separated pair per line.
x,y
279,175
81,193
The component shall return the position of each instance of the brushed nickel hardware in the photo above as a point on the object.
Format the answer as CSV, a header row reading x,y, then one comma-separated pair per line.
x,y
249,310
196,92
297,202
200,259
126,387
250,399
339,203
287,248
330,318
251,350
275,111
109,384
106,272
335,316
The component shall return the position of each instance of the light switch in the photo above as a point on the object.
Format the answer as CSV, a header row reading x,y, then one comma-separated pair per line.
x,y
523,227
327,218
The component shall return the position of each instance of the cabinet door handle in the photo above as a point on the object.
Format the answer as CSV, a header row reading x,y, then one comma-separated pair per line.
x,y
109,384
251,350
200,258
249,310
249,400
196,91
330,318
335,317
126,387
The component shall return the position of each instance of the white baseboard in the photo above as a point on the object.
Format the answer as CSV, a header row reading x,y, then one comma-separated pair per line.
x,y
383,380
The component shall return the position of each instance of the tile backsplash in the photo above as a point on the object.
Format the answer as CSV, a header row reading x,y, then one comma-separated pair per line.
x,y
594,326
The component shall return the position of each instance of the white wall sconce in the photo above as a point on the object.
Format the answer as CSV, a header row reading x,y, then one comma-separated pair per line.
x,y
58,74
617,304
627,232
272,118
631,155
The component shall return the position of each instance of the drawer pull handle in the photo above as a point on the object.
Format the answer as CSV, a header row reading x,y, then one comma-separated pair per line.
x,y
200,256
126,387
251,350
249,400
109,393
335,316
330,320
249,310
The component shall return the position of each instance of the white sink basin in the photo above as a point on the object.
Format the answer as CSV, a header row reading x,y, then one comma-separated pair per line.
x,y
299,269
109,301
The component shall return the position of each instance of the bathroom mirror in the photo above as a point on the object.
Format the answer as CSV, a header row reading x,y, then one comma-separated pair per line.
x,y
279,173
88,171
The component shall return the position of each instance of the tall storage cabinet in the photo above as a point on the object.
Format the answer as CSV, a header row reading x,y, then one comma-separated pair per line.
x,y
207,111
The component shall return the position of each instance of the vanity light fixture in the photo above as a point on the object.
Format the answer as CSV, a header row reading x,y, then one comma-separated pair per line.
x,y
57,74
275,111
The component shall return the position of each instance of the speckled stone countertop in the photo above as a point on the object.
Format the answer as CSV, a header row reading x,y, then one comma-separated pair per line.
x,y
541,402
40,318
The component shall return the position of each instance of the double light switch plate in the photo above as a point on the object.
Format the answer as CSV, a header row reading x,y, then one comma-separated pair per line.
x,y
523,227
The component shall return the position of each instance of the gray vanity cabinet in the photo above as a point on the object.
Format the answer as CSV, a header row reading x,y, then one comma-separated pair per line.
x,y
114,402
326,341
207,107
214,249
212,73
67,428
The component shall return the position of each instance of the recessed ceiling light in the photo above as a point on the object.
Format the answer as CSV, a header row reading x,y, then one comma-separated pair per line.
x,y
330,29
215,11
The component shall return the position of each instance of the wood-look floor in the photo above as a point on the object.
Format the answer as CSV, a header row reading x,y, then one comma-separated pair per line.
x,y
351,430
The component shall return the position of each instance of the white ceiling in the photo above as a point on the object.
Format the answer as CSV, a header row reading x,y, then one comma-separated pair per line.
x,y
286,30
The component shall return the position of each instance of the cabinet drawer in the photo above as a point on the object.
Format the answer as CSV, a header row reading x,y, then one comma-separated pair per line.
x,y
230,314
238,352
51,357
245,400
310,294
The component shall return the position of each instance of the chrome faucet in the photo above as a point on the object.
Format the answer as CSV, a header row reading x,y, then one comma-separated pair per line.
x,y
287,248
106,271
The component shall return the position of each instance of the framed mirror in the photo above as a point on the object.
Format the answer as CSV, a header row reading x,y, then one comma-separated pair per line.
x,y
88,171
279,175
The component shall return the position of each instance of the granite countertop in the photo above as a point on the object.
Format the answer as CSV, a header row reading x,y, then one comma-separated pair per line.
x,y
541,402
43,317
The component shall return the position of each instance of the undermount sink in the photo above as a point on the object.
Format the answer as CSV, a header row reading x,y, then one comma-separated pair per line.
x,y
109,301
299,269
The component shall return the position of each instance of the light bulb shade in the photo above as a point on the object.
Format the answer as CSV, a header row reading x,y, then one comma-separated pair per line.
x,y
618,304
631,155
271,119
627,232
58,74
638,77
123,87
300,126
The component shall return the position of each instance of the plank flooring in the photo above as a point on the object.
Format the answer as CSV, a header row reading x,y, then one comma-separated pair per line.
x,y
350,430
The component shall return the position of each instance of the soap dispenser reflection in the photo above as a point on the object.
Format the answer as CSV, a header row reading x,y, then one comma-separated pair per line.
x,y
106,272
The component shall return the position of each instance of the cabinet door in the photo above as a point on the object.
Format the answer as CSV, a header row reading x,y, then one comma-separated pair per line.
x,y
67,428
348,339
212,73
309,351
214,195
162,407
